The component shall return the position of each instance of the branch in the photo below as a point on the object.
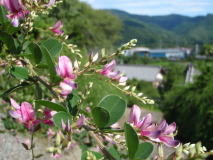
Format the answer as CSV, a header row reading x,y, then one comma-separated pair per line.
x,y
23,84
101,146
46,85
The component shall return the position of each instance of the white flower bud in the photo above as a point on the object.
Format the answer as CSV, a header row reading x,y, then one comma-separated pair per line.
x,y
95,57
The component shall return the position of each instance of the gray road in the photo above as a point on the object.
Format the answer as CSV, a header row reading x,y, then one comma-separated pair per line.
x,y
140,72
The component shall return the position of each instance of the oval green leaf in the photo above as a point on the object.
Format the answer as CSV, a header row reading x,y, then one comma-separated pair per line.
x,y
9,41
144,151
19,72
36,52
100,116
115,106
49,61
53,46
59,117
114,153
50,105
131,140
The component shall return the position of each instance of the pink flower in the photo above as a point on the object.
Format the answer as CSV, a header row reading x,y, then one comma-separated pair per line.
x,y
145,125
67,86
108,67
57,28
56,156
66,127
81,121
48,114
16,9
166,136
109,71
24,114
50,133
64,68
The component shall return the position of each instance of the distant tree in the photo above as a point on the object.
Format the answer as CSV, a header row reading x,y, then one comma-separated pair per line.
x,y
207,50
86,26
192,108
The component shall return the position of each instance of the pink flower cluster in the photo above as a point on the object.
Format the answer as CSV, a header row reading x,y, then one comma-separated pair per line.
x,y
25,114
158,133
65,70
57,28
48,114
16,9
109,71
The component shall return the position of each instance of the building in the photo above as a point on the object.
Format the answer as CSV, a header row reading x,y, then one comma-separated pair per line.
x,y
142,51
167,53
170,53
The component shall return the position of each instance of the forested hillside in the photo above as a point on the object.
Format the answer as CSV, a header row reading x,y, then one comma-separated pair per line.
x,y
165,31
85,26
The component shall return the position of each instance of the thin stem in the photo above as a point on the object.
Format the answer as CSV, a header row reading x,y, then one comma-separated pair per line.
x,y
23,84
101,146
32,146
47,86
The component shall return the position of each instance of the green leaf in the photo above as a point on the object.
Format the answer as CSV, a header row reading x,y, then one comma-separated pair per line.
x,y
9,41
115,106
50,105
3,13
114,153
49,61
144,151
19,72
72,102
100,116
35,50
53,46
59,117
131,140
38,91
97,155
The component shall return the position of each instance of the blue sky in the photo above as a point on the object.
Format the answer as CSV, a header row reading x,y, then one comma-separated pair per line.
x,y
156,7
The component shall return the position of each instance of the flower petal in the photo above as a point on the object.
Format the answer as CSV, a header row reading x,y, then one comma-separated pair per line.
x,y
27,112
169,141
14,104
135,115
170,129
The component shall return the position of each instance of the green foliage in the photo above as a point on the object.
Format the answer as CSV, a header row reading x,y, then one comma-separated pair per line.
x,y
72,103
9,41
190,107
91,154
35,50
166,31
136,150
114,153
144,151
85,26
19,72
132,140
207,50
53,46
49,61
101,116
59,117
50,105
2,15
115,106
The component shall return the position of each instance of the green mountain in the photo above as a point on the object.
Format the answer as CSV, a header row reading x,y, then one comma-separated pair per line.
x,y
166,31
